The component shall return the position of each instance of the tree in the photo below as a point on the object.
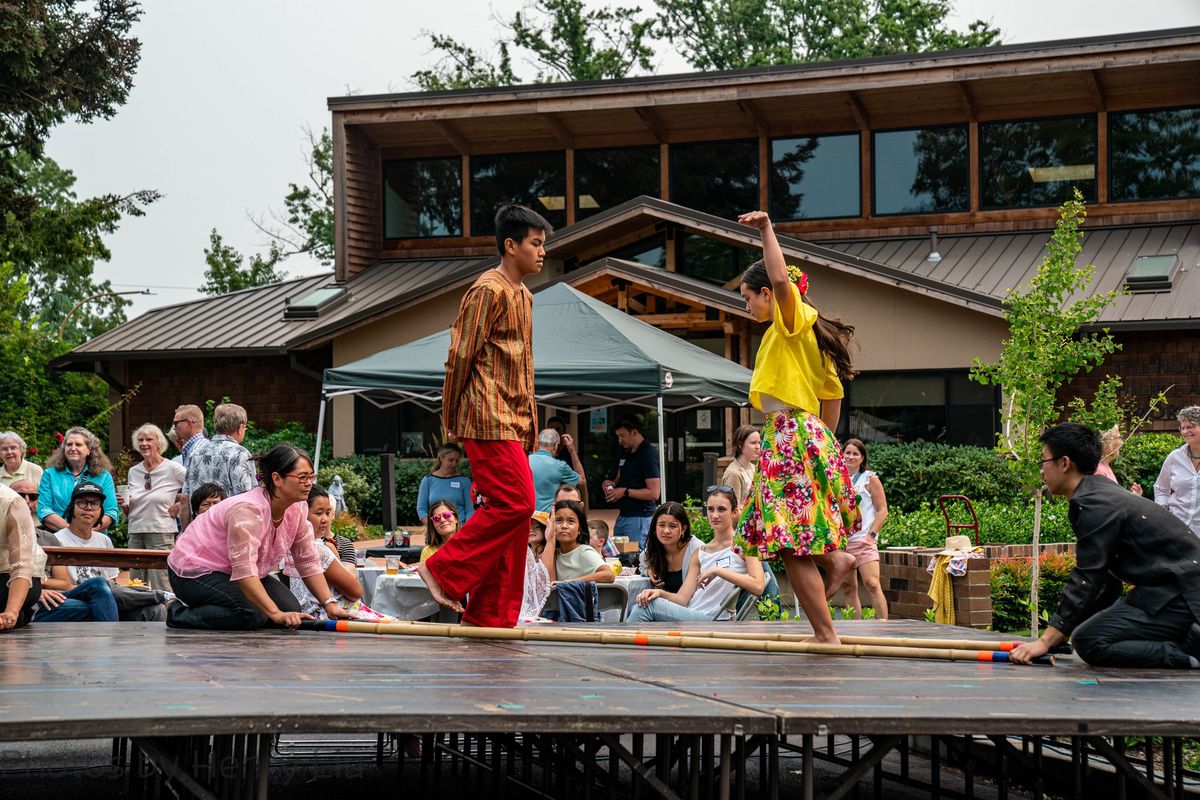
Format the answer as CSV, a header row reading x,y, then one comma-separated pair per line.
x,y
304,227
59,62
563,40
227,271
37,403
307,225
1046,347
58,244
730,34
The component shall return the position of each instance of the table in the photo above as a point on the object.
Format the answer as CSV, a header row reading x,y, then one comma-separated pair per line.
x,y
366,578
409,555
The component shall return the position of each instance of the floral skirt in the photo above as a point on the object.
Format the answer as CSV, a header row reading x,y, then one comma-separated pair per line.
x,y
802,498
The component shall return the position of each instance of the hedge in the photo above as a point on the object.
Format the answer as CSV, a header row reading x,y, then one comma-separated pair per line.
x,y
1141,459
917,474
999,523
363,486
1011,581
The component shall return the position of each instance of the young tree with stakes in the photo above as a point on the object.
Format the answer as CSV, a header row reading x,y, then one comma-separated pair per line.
x,y
1046,348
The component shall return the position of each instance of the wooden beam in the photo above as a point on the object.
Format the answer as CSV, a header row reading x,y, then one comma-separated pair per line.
x,y
754,116
341,263
1102,157
764,172
664,171
974,180
691,319
864,175
859,111
965,99
652,123
1096,86
466,196
452,136
560,131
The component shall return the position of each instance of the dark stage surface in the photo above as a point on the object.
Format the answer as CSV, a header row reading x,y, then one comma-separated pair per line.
x,y
92,680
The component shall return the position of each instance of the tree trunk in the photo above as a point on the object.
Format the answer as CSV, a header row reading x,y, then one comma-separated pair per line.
x,y
1036,567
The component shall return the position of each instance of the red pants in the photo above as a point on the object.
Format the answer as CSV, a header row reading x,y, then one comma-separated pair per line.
x,y
486,558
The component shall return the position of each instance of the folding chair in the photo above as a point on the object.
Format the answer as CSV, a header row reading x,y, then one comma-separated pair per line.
x,y
613,597
747,604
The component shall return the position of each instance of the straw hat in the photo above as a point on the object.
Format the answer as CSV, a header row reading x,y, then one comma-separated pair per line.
x,y
957,546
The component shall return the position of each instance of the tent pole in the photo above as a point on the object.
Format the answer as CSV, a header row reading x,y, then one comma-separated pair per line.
x,y
662,456
320,432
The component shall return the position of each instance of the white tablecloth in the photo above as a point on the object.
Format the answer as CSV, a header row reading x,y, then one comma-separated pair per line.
x,y
366,578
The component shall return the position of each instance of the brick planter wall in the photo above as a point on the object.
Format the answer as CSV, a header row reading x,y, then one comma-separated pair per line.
x,y
902,571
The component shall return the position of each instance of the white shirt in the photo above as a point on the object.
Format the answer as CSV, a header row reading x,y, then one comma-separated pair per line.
x,y
866,506
711,598
1178,488
79,574
149,510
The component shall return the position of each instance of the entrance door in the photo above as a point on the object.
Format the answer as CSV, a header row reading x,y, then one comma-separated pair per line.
x,y
691,434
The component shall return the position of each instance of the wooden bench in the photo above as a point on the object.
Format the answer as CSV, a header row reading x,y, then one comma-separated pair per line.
x,y
106,557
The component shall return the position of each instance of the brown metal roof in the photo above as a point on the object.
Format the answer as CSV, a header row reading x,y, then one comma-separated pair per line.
x,y
251,321
703,292
993,264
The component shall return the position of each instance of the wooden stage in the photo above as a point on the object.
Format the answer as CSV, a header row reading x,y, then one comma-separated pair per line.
x,y
169,692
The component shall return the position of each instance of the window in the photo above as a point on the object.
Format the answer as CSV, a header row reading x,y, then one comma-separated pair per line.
x,y
651,251
1150,273
422,197
606,178
404,429
536,180
720,178
920,171
815,177
1154,155
943,407
312,304
1037,162
710,260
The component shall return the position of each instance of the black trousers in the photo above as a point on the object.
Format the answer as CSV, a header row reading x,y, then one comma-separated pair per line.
x,y
1123,635
25,613
216,603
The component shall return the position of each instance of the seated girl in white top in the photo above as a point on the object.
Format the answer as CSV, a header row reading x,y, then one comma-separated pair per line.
x,y
567,556
715,574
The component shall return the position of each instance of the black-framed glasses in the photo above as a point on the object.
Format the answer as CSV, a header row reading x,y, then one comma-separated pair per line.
x,y
1052,458
720,487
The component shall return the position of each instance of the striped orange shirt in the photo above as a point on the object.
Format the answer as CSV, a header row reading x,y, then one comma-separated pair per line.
x,y
488,390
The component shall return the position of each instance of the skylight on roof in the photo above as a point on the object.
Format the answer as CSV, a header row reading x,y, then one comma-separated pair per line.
x,y
1150,273
311,305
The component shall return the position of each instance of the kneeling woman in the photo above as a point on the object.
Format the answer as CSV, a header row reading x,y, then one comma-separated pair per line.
x,y
715,573
221,568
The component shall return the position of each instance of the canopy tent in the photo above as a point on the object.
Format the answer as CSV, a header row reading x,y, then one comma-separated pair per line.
x,y
586,355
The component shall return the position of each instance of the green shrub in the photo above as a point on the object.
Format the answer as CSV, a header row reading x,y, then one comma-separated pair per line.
x,y
347,525
1011,583
1142,457
260,441
918,473
356,489
999,523
698,517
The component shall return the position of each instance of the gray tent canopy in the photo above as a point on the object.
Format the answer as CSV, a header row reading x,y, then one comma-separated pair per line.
x,y
586,355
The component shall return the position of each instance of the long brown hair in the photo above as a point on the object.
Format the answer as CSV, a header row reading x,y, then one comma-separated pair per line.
x,y
97,462
656,551
431,532
833,335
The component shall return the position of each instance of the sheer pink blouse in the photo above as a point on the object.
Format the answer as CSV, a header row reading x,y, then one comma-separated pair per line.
x,y
237,536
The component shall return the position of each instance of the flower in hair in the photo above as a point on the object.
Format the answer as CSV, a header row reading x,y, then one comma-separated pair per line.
x,y
798,277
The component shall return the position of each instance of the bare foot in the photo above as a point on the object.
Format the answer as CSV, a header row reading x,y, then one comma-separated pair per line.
x,y
826,639
435,591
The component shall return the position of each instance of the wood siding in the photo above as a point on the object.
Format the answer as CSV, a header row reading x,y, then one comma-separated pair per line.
x,y
362,203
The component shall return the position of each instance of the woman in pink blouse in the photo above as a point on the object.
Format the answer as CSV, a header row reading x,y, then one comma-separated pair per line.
x,y
221,566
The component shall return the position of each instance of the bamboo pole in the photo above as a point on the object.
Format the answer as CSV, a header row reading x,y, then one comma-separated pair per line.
x,y
655,639
882,641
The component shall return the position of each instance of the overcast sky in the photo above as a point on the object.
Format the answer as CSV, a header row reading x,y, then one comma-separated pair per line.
x,y
225,89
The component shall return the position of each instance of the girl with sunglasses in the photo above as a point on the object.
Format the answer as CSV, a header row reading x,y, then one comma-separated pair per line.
x,y
440,525
716,571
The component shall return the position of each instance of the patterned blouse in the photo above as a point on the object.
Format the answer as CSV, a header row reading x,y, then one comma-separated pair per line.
x,y
488,391
20,556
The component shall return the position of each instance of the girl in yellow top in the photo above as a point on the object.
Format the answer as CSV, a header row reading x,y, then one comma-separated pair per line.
x,y
440,525
801,505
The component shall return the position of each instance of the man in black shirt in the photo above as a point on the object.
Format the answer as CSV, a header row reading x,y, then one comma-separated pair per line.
x,y
1119,537
636,488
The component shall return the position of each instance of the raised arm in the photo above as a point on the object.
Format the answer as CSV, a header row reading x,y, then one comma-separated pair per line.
x,y
773,260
